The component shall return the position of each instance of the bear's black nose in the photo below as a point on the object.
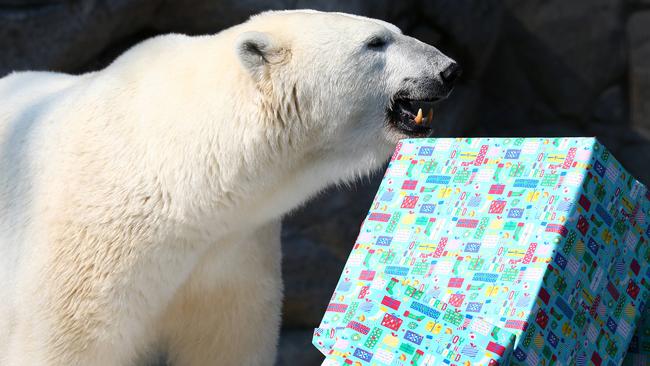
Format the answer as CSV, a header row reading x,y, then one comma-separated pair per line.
x,y
451,73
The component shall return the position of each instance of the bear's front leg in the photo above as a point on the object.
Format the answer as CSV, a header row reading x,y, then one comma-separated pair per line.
x,y
93,295
76,322
228,312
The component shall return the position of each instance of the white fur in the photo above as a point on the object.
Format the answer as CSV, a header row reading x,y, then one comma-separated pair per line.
x,y
140,205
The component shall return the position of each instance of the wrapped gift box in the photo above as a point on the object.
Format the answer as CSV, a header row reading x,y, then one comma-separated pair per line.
x,y
486,251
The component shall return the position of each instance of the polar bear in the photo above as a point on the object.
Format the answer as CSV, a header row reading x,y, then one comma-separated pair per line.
x,y
140,205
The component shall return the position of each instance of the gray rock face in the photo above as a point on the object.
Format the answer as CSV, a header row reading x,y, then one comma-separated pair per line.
x,y
639,69
568,51
610,106
63,35
295,349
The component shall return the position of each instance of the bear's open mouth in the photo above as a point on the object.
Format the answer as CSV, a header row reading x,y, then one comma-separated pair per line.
x,y
413,117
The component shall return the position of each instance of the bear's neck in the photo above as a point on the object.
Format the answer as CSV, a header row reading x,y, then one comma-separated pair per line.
x,y
257,162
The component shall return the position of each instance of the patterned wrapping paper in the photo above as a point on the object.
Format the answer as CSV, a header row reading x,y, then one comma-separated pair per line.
x,y
427,331
471,242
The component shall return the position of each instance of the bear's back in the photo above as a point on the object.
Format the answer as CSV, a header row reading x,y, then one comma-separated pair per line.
x,y
26,99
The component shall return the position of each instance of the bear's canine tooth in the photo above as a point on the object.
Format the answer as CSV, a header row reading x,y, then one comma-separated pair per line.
x,y
430,115
418,118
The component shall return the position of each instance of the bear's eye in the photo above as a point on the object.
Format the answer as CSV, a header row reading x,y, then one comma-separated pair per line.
x,y
376,42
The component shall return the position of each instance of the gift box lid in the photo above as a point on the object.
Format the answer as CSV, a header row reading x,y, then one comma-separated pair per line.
x,y
545,239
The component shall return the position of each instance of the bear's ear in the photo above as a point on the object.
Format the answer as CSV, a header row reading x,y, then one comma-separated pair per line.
x,y
256,51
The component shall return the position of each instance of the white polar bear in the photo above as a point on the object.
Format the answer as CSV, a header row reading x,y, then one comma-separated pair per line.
x,y
140,204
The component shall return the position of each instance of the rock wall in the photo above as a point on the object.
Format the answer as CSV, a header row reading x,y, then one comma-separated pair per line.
x,y
532,68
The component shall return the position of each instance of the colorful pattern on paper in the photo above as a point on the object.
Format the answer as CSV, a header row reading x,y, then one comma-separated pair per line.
x,y
472,239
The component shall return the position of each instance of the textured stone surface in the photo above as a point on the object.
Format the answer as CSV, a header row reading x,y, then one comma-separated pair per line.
x,y
570,49
610,106
64,35
296,350
639,74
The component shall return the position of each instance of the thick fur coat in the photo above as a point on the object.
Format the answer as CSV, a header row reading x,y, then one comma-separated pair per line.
x,y
140,205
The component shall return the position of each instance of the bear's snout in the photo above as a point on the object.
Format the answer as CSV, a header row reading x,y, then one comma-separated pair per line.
x,y
432,87
430,78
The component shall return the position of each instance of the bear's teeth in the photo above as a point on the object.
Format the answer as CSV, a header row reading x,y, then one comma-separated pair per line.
x,y
418,118
430,115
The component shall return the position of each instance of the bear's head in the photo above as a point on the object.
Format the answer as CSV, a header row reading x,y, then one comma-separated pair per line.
x,y
346,88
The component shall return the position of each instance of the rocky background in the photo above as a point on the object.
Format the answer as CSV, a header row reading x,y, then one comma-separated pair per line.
x,y
532,68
